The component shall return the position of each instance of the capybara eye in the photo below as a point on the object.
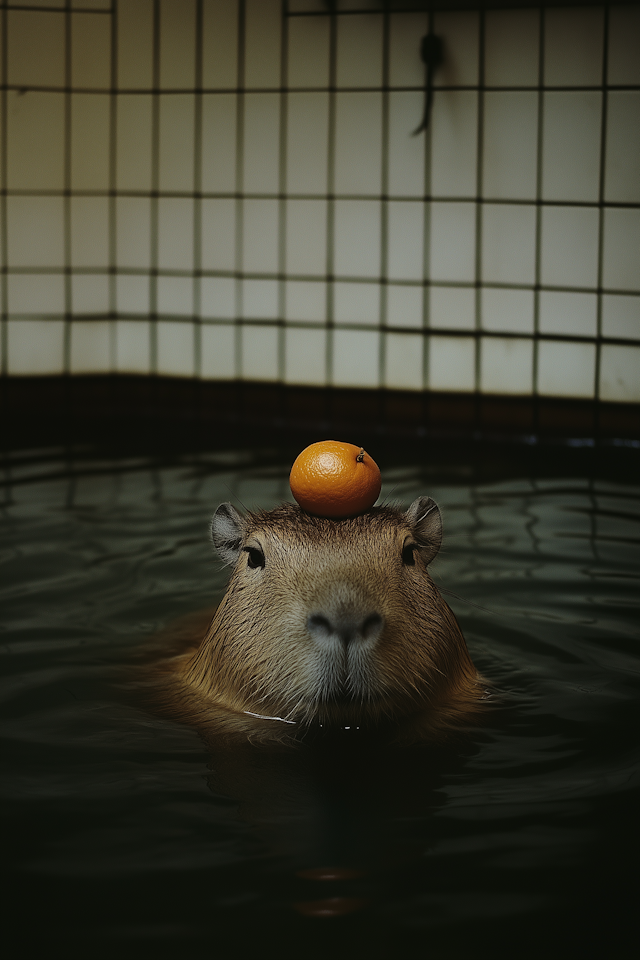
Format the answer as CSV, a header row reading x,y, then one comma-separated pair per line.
x,y
408,555
255,557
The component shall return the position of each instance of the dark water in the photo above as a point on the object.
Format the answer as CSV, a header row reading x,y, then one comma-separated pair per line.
x,y
125,837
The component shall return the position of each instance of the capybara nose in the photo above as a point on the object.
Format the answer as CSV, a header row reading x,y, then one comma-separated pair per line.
x,y
345,626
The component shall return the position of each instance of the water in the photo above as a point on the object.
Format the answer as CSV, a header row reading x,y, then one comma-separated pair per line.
x,y
126,836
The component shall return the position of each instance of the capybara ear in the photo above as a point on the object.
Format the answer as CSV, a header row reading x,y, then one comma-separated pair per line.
x,y
227,531
423,516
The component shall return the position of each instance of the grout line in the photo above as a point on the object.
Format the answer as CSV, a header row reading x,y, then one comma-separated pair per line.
x,y
538,224
330,199
197,196
427,142
155,176
601,213
67,191
111,208
4,291
282,186
479,202
373,198
383,279
239,202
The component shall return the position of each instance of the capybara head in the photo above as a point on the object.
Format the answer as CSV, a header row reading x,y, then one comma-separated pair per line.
x,y
334,621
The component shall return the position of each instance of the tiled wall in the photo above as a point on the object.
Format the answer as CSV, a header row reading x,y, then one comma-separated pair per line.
x,y
230,189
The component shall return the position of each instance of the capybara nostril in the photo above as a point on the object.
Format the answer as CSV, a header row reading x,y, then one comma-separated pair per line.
x,y
372,627
319,626
347,627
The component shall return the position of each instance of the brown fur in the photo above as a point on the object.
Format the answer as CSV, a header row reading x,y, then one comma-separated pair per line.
x,y
258,656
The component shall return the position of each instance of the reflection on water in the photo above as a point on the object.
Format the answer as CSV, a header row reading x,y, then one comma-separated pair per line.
x,y
133,837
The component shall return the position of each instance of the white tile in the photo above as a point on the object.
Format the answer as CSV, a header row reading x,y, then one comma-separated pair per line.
x,y
305,359
89,231
263,31
404,305
35,346
569,246
571,146
35,232
356,358
406,31
260,237
177,44
620,373
403,361
219,142
35,140
86,4
573,313
90,293
405,152
623,63
566,369
573,46
90,140
510,145
507,310
176,142
359,53
35,48
90,346
454,143
308,52
620,316
306,237
305,301
356,303
175,296
218,297
133,346
405,240
452,308
260,299
460,33
621,264
218,243
90,51
175,345
357,238
133,231
35,294
307,142
260,352
358,150
133,142
511,48
452,363
135,45
220,44
175,233
506,365
453,241
261,142
622,164
132,294
508,243
218,351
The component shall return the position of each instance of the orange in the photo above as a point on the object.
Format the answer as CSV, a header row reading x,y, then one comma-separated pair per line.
x,y
335,479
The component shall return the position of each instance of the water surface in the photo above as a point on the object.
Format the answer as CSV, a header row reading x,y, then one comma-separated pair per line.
x,y
126,836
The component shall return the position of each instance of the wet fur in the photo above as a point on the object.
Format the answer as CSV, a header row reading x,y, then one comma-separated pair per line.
x,y
257,657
